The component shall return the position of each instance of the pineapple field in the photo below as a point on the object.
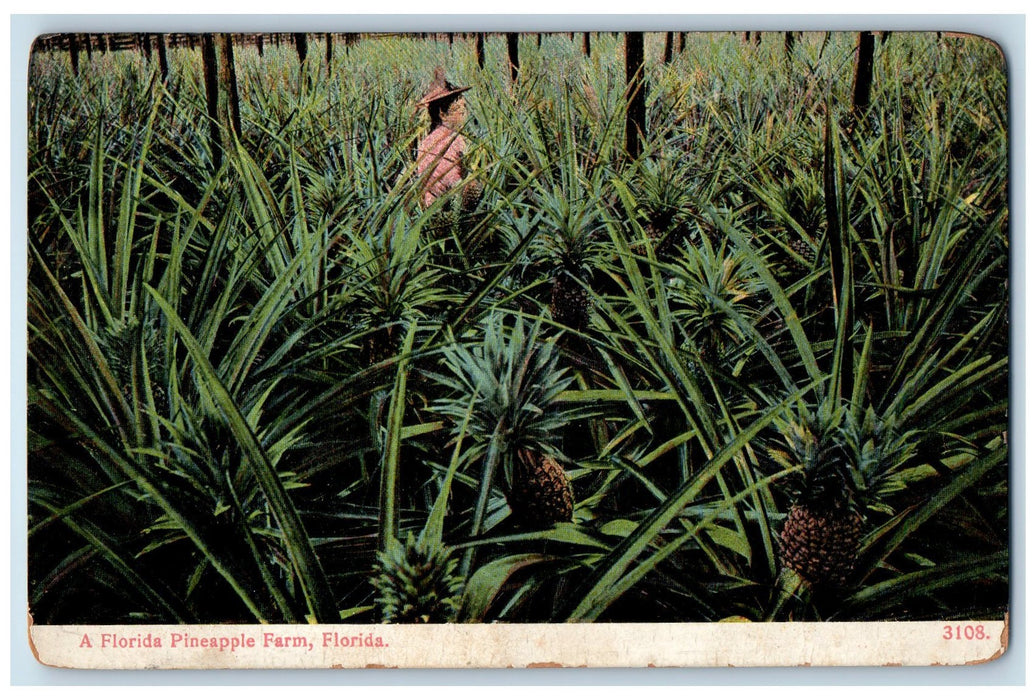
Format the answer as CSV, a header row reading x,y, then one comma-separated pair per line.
x,y
647,327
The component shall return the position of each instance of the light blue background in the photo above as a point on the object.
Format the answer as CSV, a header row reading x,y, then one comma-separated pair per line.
x,y
1007,30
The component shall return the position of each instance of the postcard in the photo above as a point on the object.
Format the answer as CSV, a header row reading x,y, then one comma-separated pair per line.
x,y
476,349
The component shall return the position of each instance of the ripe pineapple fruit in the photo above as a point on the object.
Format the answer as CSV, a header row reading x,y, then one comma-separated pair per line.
x,y
802,197
541,494
803,249
569,303
416,583
820,539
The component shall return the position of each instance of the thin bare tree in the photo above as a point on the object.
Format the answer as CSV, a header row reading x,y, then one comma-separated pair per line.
x,y
636,112
512,55
301,46
209,71
163,57
864,74
73,53
228,77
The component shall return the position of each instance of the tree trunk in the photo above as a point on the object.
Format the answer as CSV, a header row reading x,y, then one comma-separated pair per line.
x,y
145,43
259,44
480,49
88,43
163,57
208,61
301,46
539,40
864,74
789,45
681,43
512,55
586,43
73,53
228,76
667,51
635,102
327,52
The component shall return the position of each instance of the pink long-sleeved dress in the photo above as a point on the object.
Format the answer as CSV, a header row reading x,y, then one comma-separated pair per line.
x,y
439,162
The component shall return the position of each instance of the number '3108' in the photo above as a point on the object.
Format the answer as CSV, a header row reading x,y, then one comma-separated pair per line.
x,y
964,632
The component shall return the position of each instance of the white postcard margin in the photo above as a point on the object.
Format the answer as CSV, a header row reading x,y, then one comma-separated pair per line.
x,y
591,645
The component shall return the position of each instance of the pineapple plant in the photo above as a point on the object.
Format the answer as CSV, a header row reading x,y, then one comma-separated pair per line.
x,y
568,245
855,463
803,200
665,202
714,293
128,344
820,538
416,583
514,380
388,281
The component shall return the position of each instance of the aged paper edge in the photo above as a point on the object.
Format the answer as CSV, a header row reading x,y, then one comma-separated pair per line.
x,y
594,645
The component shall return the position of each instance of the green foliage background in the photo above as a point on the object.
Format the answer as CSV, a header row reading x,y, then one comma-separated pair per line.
x,y
254,379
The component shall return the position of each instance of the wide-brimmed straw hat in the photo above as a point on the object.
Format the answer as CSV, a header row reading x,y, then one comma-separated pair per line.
x,y
440,88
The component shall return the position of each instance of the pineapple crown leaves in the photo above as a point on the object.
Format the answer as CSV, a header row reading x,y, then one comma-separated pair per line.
x,y
713,271
845,454
390,278
570,222
814,447
121,340
709,287
416,582
802,196
661,184
516,379
879,453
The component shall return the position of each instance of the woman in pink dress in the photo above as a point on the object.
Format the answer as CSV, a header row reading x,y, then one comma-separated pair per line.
x,y
440,154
